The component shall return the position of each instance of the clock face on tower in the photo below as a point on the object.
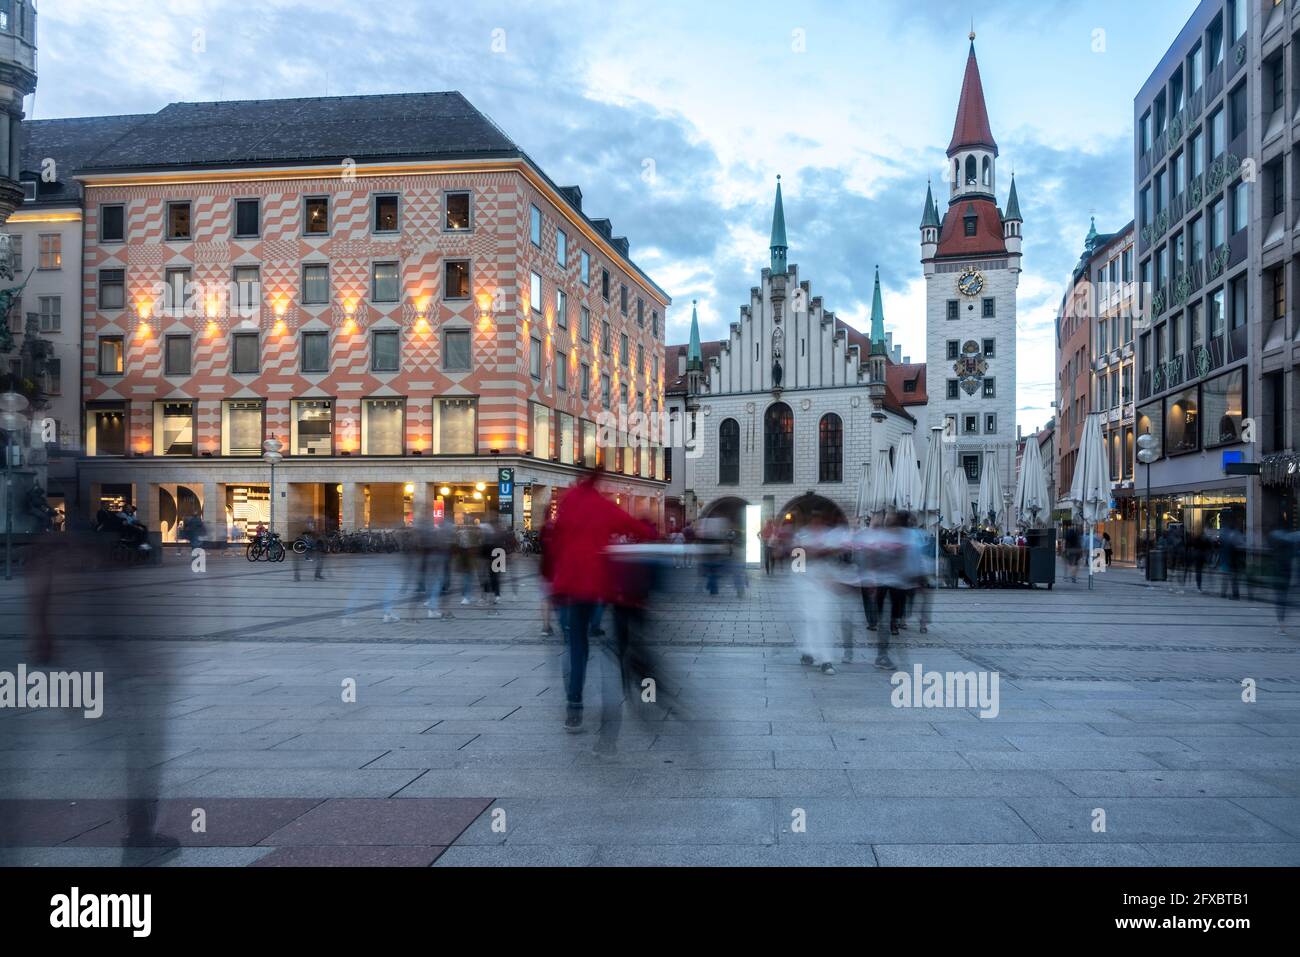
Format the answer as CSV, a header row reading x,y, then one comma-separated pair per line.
x,y
970,283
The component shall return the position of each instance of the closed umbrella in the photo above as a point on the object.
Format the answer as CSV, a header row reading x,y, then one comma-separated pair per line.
x,y
990,498
1031,485
882,484
930,507
907,477
862,507
1090,491
956,500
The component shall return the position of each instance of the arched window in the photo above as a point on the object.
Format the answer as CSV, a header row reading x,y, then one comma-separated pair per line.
x,y
778,443
956,172
830,449
729,452
988,172
972,171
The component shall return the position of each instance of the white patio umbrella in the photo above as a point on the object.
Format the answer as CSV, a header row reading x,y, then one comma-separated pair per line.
x,y
990,497
862,506
907,476
1090,491
930,507
1031,485
956,500
882,484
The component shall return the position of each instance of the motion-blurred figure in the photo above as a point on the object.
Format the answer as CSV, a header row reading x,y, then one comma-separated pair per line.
x,y
1282,553
1231,558
815,589
585,523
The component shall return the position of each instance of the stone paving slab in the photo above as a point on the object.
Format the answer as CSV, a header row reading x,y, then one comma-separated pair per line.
x,y
353,822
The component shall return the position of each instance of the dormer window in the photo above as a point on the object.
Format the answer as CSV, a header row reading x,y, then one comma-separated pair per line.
x,y
29,191
971,222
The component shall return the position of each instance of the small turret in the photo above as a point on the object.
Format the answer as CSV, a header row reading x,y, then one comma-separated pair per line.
x,y
929,225
1012,221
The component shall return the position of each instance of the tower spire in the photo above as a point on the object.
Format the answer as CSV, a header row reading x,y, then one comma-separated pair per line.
x,y
930,216
778,244
972,126
1013,203
877,319
694,356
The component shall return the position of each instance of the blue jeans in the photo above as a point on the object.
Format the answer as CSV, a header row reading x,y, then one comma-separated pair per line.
x,y
576,619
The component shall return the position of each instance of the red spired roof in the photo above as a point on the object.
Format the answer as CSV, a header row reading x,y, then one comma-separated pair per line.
x,y
972,126
953,240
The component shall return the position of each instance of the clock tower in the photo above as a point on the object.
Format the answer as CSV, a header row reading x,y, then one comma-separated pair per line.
x,y
971,255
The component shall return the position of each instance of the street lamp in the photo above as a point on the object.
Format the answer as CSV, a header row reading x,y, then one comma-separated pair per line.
x,y
1146,455
12,423
271,454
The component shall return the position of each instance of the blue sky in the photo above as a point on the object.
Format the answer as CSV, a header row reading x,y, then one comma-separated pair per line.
x,y
675,117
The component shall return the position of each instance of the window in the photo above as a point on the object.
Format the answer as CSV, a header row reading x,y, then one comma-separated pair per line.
x,y
830,449
1195,69
1178,175
247,218
561,309
539,437
535,292
622,299
990,308
1217,224
640,312
385,217
176,356
990,388
604,284
455,426
316,215
584,324
458,212
1216,44
241,427
1237,112
970,223
112,289
1240,207
316,351
312,426
457,279
1196,154
1223,409
110,355
1238,8
112,223
173,428
384,351
605,337
383,426
178,220
654,323
589,453
584,385
604,391
990,347
243,353
954,348
584,267
535,358
561,248
1146,212
16,252
971,466
1217,141
1182,423
622,349
177,281
51,313
640,360
51,251
729,452
1144,132
1237,290
778,443
248,294
53,376
970,424
990,423
1198,239
106,428
953,306
315,283
456,350
952,389
1217,313
383,282
565,439
562,371
535,226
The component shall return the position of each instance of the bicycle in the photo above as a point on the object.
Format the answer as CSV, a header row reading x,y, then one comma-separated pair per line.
x,y
268,547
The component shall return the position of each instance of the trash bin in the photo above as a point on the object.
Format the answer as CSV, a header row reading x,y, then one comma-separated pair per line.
x,y
1156,570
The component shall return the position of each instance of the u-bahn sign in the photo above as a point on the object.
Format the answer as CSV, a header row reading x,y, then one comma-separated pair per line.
x,y
505,491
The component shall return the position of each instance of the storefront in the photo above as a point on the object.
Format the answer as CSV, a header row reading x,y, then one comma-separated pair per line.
x,y
247,506
1198,512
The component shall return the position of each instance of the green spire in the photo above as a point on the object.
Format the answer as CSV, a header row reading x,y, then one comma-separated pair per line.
x,y
779,246
1092,234
694,356
877,319
1013,203
931,215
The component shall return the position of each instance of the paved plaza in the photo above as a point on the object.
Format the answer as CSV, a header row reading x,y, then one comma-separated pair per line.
x,y
1124,700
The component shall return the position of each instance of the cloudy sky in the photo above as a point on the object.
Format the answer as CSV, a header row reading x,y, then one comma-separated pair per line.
x,y
675,118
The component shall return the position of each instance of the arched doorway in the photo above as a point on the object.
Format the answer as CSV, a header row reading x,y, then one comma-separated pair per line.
x,y
731,509
802,508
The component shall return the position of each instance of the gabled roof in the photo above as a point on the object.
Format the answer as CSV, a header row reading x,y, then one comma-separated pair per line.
x,y
988,237
972,125
253,132
70,143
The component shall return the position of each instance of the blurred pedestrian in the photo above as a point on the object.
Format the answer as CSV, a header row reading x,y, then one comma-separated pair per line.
x,y
1282,553
814,591
1073,550
1231,558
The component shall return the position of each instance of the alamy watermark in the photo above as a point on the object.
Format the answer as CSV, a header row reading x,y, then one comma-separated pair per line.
x,y
53,689
946,689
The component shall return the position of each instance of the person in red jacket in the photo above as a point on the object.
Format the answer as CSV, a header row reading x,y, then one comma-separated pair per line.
x,y
581,576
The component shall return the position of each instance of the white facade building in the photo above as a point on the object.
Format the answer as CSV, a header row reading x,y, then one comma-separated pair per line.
x,y
780,417
972,260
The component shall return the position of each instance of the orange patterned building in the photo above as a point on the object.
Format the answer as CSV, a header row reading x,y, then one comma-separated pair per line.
x,y
386,285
